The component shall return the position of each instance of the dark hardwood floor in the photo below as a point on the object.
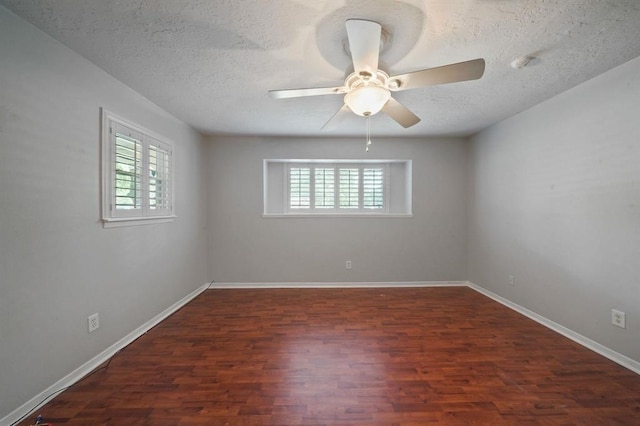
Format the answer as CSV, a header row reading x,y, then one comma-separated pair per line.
x,y
397,356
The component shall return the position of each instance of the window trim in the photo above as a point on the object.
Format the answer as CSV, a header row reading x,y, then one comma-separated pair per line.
x,y
399,185
144,215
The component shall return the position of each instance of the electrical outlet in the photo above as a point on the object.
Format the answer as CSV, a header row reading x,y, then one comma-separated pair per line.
x,y
510,280
94,322
618,318
347,264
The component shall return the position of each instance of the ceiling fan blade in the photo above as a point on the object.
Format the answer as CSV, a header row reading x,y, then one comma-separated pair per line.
x,y
337,118
462,71
400,113
364,43
315,91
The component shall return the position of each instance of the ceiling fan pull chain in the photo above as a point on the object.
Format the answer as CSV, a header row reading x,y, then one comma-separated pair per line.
x,y
368,139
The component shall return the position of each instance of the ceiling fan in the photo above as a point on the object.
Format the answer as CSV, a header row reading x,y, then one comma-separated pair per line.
x,y
367,90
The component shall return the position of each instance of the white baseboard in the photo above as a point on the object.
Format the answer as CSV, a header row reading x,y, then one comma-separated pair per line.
x,y
52,391
340,284
576,337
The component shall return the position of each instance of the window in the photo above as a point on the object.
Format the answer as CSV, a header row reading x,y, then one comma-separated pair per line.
x,y
325,188
373,188
299,188
349,193
136,175
337,187
320,188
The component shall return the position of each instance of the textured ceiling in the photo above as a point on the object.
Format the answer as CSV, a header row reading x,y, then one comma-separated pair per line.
x,y
211,63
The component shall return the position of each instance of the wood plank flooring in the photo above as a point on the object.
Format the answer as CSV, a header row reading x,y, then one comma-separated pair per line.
x,y
402,356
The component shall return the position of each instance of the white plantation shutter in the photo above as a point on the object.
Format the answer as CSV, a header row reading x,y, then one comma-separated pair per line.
x,y
373,188
336,188
127,171
299,187
159,178
325,185
349,188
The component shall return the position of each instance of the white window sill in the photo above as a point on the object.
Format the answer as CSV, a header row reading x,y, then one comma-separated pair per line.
x,y
335,215
135,221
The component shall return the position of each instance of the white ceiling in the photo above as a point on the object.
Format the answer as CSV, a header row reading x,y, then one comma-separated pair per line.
x,y
212,62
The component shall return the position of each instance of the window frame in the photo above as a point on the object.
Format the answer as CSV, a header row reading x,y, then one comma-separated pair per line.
x,y
146,213
337,209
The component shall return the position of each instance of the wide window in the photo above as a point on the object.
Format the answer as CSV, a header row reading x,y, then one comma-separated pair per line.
x,y
337,187
326,188
136,174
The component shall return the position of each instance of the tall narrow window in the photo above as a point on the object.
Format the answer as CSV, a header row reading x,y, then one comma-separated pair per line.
x,y
325,187
300,188
159,177
373,188
128,172
137,184
349,192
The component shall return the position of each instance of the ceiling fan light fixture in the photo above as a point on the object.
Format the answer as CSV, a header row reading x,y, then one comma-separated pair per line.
x,y
367,100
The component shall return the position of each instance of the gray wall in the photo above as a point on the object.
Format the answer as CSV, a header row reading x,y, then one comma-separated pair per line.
x,y
555,201
57,263
245,247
